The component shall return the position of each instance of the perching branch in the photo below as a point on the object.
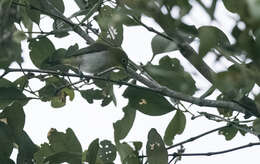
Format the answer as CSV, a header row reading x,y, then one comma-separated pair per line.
x,y
164,91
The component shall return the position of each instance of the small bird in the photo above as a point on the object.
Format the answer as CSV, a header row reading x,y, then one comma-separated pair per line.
x,y
96,58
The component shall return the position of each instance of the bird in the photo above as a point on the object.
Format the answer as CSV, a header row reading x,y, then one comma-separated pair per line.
x,y
97,58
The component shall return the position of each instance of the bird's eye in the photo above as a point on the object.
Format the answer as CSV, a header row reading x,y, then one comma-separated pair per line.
x,y
124,60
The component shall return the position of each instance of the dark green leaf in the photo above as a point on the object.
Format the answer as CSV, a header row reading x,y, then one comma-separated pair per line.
x,y
60,157
211,37
26,148
170,73
40,51
147,102
123,126
256,125
43,153
91,155
234,83
34,14
127,154
162,45
61,28
6,141
64,142
176,126
15,117
111,29
229,132
92,94
58,4
107,151
239,7
155,149
10,94
81,3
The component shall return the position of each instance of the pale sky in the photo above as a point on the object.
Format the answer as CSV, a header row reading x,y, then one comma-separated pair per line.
x,y
91,121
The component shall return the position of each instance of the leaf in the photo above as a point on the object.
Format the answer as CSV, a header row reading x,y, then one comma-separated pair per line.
x,y
34,15
123,126
155,148
211,37
40,51
81,3
256,125
92,94
229,132
238,7
64,142
147,102
127,154
171,74
107,151
234,83
111,29
176,126
15,117
26,148
61,157
58,4
6,141
162,45
10,94
61,28
91,155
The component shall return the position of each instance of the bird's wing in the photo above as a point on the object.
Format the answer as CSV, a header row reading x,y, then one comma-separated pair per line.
x,y
93,48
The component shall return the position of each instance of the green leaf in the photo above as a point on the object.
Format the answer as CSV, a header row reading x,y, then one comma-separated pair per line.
x,y
81,3
229,132
127,154
176,126
234,83
123,126
92,94
91,155
171,74
10,94
147,102
15,117
61,157
40,51
211,37
107,151
34,15
6,141
256,125
43,153
162,45
58,4
239,7
111,29
64,142
26,148
19,36
155,148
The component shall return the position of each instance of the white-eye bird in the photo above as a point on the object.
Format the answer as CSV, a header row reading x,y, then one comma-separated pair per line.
x,y
96,58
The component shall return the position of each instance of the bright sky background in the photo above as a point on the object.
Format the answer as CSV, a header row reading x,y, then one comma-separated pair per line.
x,y
91,121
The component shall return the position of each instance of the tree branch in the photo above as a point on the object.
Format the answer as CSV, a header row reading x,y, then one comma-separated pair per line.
x,y
53,12
217,152
164,91
196,137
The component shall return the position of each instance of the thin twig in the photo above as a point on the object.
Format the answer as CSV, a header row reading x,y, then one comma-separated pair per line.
x,y
217,152
196,137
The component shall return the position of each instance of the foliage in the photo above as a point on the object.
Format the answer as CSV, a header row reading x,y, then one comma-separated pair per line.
x,y
167,84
